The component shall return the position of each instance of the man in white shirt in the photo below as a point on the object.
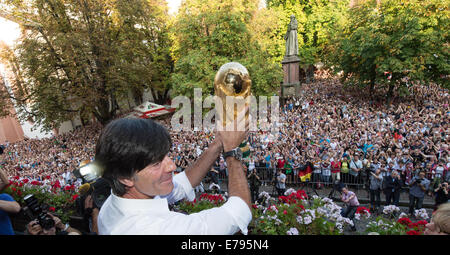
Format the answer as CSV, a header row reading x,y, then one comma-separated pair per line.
x,y
133,154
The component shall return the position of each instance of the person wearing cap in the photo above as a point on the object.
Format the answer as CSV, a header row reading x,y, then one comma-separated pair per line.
x,y
134,156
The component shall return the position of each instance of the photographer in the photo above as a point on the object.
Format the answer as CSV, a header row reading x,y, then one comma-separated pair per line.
x,y
441,194
418,186
392,186
351,202
255,183
7,206
91,211
376,182
51,225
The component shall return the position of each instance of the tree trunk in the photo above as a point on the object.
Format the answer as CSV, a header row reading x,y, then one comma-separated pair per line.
x,y
390,93
373,77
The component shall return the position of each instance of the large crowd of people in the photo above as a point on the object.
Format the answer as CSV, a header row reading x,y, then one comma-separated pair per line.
x,y
50,160
335,132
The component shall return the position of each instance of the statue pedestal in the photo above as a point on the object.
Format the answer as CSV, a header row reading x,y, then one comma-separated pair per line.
x,y
291,81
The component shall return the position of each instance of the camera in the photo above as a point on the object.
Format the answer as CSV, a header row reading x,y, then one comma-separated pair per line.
x,y
93,185
88,172
419,181
39,212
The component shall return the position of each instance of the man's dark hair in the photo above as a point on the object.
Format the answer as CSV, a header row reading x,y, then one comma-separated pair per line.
x,y
127,146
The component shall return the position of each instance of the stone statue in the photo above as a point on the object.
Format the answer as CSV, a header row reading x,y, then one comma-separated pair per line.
x,y
291,38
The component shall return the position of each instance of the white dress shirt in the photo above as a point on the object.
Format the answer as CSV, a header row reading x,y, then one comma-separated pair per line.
x,y
121,216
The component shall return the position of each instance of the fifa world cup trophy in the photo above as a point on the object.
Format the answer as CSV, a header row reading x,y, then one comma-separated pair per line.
x,y
233,81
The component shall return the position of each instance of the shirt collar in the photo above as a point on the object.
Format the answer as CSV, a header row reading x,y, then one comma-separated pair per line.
x,y
156,204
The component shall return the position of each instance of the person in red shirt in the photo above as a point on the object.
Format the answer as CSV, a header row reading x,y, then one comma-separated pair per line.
x,y
335,169
281,163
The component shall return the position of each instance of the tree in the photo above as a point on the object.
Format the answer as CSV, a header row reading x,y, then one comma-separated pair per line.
x,y
208,34
391,43
84,56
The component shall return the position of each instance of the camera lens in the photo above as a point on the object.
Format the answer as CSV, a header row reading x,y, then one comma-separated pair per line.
x,y
46,221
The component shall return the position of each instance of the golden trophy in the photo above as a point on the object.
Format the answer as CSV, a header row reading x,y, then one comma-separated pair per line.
x,y
232,80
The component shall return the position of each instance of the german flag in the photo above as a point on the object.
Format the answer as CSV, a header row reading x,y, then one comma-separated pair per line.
x,y
305,174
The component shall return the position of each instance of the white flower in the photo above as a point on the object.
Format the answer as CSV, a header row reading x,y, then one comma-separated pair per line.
x,y
340,227
300,219
357,216
390,209
402,215
292,231
264,194
290,191
273,208
327,200
307,220
421,213
322,211
278,222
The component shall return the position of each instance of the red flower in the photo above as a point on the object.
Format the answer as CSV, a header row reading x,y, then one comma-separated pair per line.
x,y
47,177
301,194
284,212
413,233
16,177
19,192
51,209
362,210
67,188
404,221
412,225
254,206
422,222
301,206
13,189
25,180
74,197
57,184
36,183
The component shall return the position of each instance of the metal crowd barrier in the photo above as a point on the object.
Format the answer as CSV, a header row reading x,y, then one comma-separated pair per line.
x,y
312,185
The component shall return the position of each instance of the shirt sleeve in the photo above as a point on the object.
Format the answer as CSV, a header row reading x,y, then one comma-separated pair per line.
x,y
6,197
182,188
231,217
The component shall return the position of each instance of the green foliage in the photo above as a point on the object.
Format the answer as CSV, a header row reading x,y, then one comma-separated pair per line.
x,y
404,38
385,226
85,56
318,21
208,34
